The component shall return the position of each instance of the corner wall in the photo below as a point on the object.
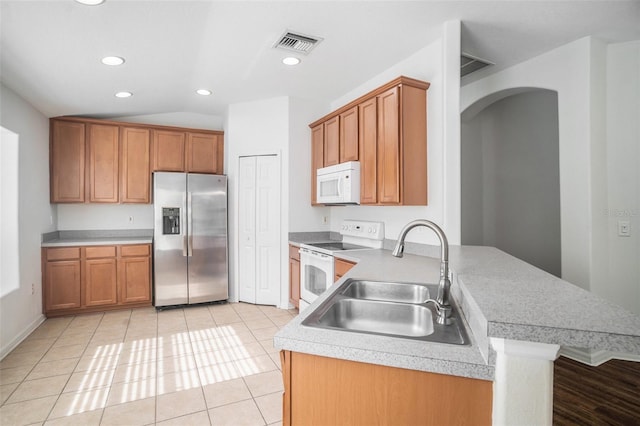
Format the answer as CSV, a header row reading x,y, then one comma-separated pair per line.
x,y
21,311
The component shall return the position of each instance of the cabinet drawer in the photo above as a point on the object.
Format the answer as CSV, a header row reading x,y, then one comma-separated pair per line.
x,y
63,253
135,250
294,253
100,251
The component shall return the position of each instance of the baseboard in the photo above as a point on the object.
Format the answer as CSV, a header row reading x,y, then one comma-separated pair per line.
x,y
20,337
595,358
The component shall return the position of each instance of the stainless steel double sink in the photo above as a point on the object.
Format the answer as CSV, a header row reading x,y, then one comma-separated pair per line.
x,y
387,308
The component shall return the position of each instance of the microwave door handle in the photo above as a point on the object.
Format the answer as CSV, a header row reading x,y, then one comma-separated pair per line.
x,y
340,182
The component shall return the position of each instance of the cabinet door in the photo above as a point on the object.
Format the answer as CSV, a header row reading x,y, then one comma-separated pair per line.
x,y
349,135
317,157
100,282
103,163
341,267
135,279
368,138
332,141
294,282
67,162
205,153
388,147
168,151
294,276
135,154
62,285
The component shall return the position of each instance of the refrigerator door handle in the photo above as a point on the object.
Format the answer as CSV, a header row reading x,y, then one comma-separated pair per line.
x,y
185,250
189,226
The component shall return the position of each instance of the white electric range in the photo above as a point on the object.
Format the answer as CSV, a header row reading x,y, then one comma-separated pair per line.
x,y
317,259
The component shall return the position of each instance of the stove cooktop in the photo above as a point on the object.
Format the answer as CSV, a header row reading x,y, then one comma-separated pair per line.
x,y
336,246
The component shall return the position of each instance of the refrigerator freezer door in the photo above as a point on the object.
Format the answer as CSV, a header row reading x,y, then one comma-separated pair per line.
x,y
170,242
207,242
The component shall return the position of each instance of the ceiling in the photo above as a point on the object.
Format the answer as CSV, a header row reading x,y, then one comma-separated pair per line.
x,y
50,51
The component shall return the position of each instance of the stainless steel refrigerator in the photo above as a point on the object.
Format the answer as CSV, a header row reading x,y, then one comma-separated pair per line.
x,y
190,238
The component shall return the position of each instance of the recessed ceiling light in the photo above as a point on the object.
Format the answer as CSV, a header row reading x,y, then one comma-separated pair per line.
x,y
90,2
290,60
203,92
124,94
113,60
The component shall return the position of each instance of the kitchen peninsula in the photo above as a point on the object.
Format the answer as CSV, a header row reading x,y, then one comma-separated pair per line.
x,y
515,312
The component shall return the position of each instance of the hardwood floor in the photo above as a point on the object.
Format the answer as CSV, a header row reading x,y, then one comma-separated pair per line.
x,y
605,395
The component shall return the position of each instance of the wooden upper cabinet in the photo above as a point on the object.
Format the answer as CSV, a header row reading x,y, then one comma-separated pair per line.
x,y
317,157
402,146
205,153
103,147
349,135
169,151
67,157
332,141
389,147
386,131
368,144
135,161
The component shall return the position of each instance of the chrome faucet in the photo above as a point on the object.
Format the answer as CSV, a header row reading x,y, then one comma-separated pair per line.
x,y
443,307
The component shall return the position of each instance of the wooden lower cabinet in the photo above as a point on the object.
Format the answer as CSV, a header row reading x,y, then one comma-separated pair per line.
x,y
328,391
294,276
63,285
341,267
96,278
135,269
100,282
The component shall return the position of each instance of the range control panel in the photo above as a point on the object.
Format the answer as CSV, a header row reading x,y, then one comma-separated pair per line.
x,y
363,229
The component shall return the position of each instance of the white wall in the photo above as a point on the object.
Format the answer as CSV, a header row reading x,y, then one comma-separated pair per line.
x,y
618,270
437,63
20,310
104,216
567,71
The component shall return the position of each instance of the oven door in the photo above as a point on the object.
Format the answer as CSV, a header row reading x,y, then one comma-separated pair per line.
x,y
316,274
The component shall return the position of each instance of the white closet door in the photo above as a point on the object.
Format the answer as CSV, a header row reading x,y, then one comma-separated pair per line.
x,y
259,230
268,190
247,230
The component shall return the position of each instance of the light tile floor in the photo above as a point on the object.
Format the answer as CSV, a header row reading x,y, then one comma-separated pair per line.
x,y
201,365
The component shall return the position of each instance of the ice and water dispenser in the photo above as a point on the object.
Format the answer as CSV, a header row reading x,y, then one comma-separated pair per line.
x,y
170,220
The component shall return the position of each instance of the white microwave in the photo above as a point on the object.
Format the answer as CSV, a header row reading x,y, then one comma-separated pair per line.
x,y
339,184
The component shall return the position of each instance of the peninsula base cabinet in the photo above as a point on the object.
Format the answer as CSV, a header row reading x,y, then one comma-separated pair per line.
x,y
328,391
95,278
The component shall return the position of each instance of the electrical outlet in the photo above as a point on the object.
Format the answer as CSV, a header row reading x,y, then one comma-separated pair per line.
x,y
33,288
624,228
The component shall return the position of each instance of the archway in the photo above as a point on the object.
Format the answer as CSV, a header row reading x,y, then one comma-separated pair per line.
x,y
510,178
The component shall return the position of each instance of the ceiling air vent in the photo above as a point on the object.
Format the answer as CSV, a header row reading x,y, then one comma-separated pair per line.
x,y
470,63
297,42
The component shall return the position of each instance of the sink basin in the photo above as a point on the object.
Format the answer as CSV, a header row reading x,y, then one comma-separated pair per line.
x,y
387,291
389,309
379,317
